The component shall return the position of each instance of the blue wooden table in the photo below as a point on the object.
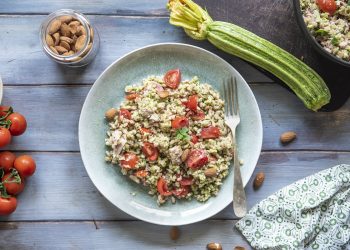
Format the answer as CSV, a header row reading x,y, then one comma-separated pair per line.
x,y
60,207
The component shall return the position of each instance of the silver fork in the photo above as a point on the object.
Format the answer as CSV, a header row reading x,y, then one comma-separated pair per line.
x,y
232,120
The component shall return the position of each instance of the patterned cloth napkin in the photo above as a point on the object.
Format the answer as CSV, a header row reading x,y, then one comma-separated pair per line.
x,y
313,213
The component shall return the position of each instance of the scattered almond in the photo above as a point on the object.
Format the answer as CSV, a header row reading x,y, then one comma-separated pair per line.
x,y
56,38
185,154
258,181
79,44
288,137
214,246
65,19
111,113
49,40
174,233
65,45
54,26
54,50
210,172
163,93
239,248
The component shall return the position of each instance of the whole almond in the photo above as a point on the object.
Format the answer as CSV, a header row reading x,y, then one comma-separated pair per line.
x,y
54,50
80,30
54,26
210,172
65,30
73,26
259,179
49,40
65,45
61,49
65,19
239,248
66,39
214,246
163,93
110,114
288,137
79,44
184,155
56,38
69,53
174,233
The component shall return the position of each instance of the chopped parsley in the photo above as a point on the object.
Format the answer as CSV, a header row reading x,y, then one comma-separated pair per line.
x,y
321,32
335,41
182,134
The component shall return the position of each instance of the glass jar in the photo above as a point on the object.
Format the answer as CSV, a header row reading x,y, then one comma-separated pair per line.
x,y
61,44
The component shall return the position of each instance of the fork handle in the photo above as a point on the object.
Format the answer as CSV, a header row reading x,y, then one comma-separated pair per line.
x,y
239,197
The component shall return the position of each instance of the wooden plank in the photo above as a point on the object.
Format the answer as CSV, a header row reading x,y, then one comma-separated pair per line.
x,y
116,235
61,189
53,114
27,64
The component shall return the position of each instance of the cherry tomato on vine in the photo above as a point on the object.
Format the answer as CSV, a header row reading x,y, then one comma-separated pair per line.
x,y
5,137
4,110
7,205
25,165
18,124
6,160
11,186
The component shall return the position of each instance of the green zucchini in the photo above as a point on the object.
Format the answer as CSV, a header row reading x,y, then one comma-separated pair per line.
x,y
303,80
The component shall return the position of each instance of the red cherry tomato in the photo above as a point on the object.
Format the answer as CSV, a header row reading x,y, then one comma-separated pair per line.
x,y
179,122
7,205
172,78
150,151
4,110
132,96
197,159
5,137
194,139
11,186
141,174
192,102
130,161
124,113
210,132
18,124
186,181
145,130
6,160
181,192
327,6
162,187
199,115
25,165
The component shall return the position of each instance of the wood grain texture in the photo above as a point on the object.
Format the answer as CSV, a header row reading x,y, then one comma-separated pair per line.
x,y
61,189
53,115
26,63
116,235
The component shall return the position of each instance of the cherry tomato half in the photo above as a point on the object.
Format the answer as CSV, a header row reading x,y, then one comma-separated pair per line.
x,y
25,165
150,151
194,139
192,102
5,137
327,6
11,186
6,160
197,159
162,187
132,96
124,113
186,181
181,192
141,173
18,124
179,122
130,161
198,116
7,205
172,78
210,132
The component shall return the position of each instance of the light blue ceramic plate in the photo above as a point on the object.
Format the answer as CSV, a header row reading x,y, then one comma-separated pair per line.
x,y
108,91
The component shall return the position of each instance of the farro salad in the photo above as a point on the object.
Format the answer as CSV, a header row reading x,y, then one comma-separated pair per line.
x,y
170,136
328,22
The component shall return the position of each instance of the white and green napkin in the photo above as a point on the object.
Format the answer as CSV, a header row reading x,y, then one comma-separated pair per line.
x,y
313,213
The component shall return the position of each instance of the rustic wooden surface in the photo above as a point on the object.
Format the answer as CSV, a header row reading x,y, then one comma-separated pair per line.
x,y
60,208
